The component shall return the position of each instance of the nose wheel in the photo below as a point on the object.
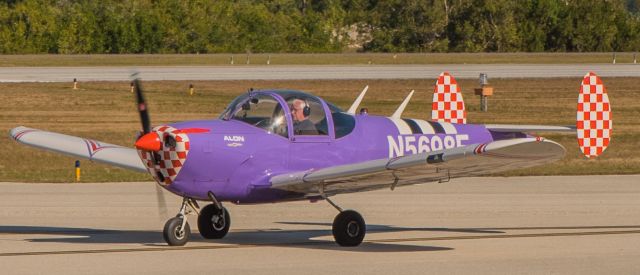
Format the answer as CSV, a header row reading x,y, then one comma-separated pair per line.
x,y
213,222
177,230
176,234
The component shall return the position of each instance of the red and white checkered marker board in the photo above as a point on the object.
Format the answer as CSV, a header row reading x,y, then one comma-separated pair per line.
x,y
594,122
171,158
448,105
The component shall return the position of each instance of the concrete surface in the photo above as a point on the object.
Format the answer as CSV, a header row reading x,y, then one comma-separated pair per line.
x,y
67,74
567,225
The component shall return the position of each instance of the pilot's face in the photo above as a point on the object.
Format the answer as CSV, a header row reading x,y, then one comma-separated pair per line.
x,y
297,110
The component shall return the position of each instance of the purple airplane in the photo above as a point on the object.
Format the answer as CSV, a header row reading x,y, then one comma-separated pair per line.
x,y
275,146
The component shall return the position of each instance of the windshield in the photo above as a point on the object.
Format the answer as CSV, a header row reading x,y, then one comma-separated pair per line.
x,y
260,110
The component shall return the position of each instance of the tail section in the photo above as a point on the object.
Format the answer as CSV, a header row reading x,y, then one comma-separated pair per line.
x,y
594,123
448,105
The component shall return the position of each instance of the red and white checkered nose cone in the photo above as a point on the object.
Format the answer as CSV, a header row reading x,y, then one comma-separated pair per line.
x,y
594,124
170,158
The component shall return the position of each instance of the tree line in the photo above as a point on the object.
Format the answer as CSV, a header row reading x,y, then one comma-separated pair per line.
x,y
306,26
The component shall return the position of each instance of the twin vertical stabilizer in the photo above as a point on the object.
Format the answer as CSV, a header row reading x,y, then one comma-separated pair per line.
x,y
448,105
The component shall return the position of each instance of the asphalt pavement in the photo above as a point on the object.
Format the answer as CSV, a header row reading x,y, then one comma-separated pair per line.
x,y
284,72
504,225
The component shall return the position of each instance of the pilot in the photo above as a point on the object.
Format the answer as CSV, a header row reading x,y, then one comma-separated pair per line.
x,y
301,124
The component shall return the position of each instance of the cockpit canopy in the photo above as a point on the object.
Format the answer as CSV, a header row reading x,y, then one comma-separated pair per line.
x,y
288,113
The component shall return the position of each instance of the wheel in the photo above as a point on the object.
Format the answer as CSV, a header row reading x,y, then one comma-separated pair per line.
x,y
349,228
213,223
173,234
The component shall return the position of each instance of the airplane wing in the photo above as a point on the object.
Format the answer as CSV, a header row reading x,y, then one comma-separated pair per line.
x,y
80,147
528,128
471,160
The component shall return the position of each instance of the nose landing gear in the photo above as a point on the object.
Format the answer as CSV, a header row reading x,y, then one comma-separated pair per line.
x,y
177,230
213,222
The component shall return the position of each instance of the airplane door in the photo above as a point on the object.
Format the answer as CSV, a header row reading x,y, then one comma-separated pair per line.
x,y
311,133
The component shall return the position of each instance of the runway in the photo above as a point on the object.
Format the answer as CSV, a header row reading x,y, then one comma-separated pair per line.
x,y
284,72
585,225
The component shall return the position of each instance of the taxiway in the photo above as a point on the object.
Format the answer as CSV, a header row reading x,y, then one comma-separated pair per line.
x,y
559,224
286,72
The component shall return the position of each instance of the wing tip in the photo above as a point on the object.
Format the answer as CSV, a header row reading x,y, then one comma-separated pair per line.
x,y
17,132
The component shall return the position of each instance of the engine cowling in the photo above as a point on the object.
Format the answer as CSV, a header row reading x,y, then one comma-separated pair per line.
x,y
165,163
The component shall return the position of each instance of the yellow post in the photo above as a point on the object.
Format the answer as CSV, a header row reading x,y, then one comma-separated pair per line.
x,y
75,84
77,170
131,86
190,89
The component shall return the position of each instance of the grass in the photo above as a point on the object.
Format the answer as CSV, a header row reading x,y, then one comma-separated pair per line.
x,y
105,111
310,59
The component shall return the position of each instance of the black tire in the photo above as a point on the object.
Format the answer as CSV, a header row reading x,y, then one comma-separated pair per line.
x,y
212,223
172,233
349,228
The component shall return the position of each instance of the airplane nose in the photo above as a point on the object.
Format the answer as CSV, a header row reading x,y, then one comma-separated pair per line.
x,y
149,142
164,151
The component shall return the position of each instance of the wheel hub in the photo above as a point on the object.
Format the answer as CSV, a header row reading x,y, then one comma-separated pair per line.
x,y
179,233
218,222
353,229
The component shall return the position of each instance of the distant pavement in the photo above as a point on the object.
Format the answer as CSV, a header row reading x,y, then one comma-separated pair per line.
x,y
284,72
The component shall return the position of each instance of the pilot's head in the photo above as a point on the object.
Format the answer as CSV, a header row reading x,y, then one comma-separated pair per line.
x,y
297,109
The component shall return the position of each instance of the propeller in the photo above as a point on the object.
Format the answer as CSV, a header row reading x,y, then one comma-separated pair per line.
x,y
142,104
148,141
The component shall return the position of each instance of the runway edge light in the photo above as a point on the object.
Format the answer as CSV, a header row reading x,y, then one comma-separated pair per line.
x,y
77,170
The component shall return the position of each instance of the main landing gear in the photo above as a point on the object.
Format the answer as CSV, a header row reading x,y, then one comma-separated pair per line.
x,y
348,226
213,222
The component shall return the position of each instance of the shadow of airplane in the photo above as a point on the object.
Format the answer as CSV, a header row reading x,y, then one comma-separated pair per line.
x,y
258,237
274,237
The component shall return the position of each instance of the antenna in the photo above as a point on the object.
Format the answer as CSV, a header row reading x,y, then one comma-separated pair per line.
x,y
398,112
356,103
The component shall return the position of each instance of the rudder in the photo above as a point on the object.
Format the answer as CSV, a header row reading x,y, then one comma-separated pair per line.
x,y
594,123
448,105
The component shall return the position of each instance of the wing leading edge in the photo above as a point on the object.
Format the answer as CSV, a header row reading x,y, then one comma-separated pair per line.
x,y
471,160
529,128
80,147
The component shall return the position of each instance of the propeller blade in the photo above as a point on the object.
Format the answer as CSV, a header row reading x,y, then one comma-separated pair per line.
x,y
142,105
162,203
144,116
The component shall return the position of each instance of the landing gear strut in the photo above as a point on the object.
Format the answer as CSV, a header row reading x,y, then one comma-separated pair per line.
x,y
177,231
214,220
349,227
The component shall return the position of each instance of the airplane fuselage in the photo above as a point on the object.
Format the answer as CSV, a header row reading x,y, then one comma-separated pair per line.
x,y
235,160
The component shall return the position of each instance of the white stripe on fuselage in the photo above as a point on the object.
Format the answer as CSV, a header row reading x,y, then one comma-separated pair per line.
x,y
401,125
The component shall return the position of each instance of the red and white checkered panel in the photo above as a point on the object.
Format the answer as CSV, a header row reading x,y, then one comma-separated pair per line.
x,y
594,122
171,158
448,105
